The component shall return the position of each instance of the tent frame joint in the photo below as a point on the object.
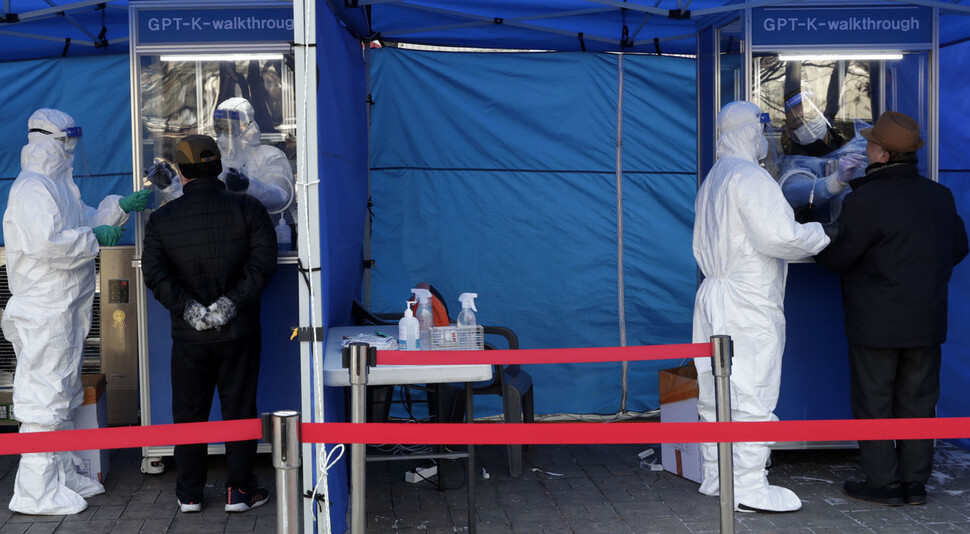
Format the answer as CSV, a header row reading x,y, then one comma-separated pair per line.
x,y
679,14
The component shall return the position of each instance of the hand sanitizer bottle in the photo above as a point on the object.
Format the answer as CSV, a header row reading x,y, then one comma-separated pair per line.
x,y
283,236
408,336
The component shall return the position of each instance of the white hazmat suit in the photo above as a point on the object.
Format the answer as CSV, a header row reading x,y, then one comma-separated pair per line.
x,y
267,173
50,249
744,233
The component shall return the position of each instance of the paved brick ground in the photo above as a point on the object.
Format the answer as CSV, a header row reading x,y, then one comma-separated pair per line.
x,y
573,489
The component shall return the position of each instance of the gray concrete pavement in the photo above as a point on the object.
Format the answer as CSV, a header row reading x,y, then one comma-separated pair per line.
x,y
564,489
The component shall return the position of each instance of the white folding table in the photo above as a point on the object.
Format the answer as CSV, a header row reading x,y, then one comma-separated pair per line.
x,y
335,374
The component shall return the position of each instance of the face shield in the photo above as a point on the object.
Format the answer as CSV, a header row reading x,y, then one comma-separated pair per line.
x,y
806,123
767,148
228,124
72,137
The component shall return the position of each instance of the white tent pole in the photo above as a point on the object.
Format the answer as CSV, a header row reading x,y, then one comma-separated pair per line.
x,y
308,217
620,303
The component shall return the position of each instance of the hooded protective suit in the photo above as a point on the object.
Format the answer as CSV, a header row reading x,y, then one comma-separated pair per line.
x,y
50,250
266,172
744,233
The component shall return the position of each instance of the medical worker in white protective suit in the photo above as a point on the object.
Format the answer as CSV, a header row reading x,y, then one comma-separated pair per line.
x,y
744,234
259,170
52,239
247,165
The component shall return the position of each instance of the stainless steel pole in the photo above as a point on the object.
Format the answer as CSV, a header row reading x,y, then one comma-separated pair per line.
x,y
357,361
287,461
721,367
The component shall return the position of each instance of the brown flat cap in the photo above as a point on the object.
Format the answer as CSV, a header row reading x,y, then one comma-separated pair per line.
x,y
895,132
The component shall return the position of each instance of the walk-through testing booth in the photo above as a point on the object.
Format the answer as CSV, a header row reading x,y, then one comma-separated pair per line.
x,y
186,58
821,73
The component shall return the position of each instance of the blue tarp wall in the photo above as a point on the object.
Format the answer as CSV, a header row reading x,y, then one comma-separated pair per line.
x,y
496,174
955,174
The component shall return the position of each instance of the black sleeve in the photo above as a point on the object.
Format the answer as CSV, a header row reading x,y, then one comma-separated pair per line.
x,y
261,263
960,247
854,239
155,268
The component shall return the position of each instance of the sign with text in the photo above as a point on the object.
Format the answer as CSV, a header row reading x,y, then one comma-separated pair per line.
x,y
185,25
835,25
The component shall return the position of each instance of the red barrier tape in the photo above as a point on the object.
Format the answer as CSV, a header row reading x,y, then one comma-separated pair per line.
x,y
491,434
511,357
132,436
600,433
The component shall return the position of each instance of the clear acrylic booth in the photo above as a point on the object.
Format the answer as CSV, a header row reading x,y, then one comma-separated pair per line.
x,y
186,58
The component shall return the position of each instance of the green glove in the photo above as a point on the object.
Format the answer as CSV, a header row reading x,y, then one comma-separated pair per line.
x,y
108,236
135,201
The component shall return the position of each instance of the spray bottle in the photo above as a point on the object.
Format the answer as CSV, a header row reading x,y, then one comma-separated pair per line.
x,y
468,309
425,316
467,328
408,330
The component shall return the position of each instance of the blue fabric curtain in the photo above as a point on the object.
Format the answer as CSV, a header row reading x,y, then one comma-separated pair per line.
x,y
496,174
955,174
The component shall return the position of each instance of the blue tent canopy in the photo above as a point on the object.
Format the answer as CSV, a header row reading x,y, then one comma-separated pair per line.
x,y
664,26
33,29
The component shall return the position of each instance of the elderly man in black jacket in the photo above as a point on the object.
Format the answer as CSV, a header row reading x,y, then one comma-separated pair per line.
x,y
208,256
901,237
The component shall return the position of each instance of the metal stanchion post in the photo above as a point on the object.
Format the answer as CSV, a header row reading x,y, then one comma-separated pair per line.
x,y
285,432
721,367
358,357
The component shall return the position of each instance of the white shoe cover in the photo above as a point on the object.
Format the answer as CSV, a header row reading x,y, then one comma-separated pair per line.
x,y
39,488
82,485
751,490
768,499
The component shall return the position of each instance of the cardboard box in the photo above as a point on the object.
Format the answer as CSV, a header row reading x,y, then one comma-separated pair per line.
x,y
678,404
93,414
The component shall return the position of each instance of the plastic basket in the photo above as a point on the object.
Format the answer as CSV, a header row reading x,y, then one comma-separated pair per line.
x,y
457,337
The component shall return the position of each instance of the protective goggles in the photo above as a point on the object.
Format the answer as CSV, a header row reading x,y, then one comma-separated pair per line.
x,y
68,133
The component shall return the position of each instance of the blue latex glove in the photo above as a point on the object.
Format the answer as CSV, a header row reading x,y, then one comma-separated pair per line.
x,y
108,236
220,312
194,314
136,201
236,180
161,174
848,165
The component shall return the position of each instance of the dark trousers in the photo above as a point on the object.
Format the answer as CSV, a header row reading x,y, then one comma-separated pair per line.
x,y
197,370
895,383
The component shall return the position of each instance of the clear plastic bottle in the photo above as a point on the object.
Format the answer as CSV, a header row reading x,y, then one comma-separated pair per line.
x,y
467,315
408,330
467,327
283,236
425,316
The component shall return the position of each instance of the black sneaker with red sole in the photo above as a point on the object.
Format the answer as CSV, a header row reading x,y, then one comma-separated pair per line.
x,y
238,500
